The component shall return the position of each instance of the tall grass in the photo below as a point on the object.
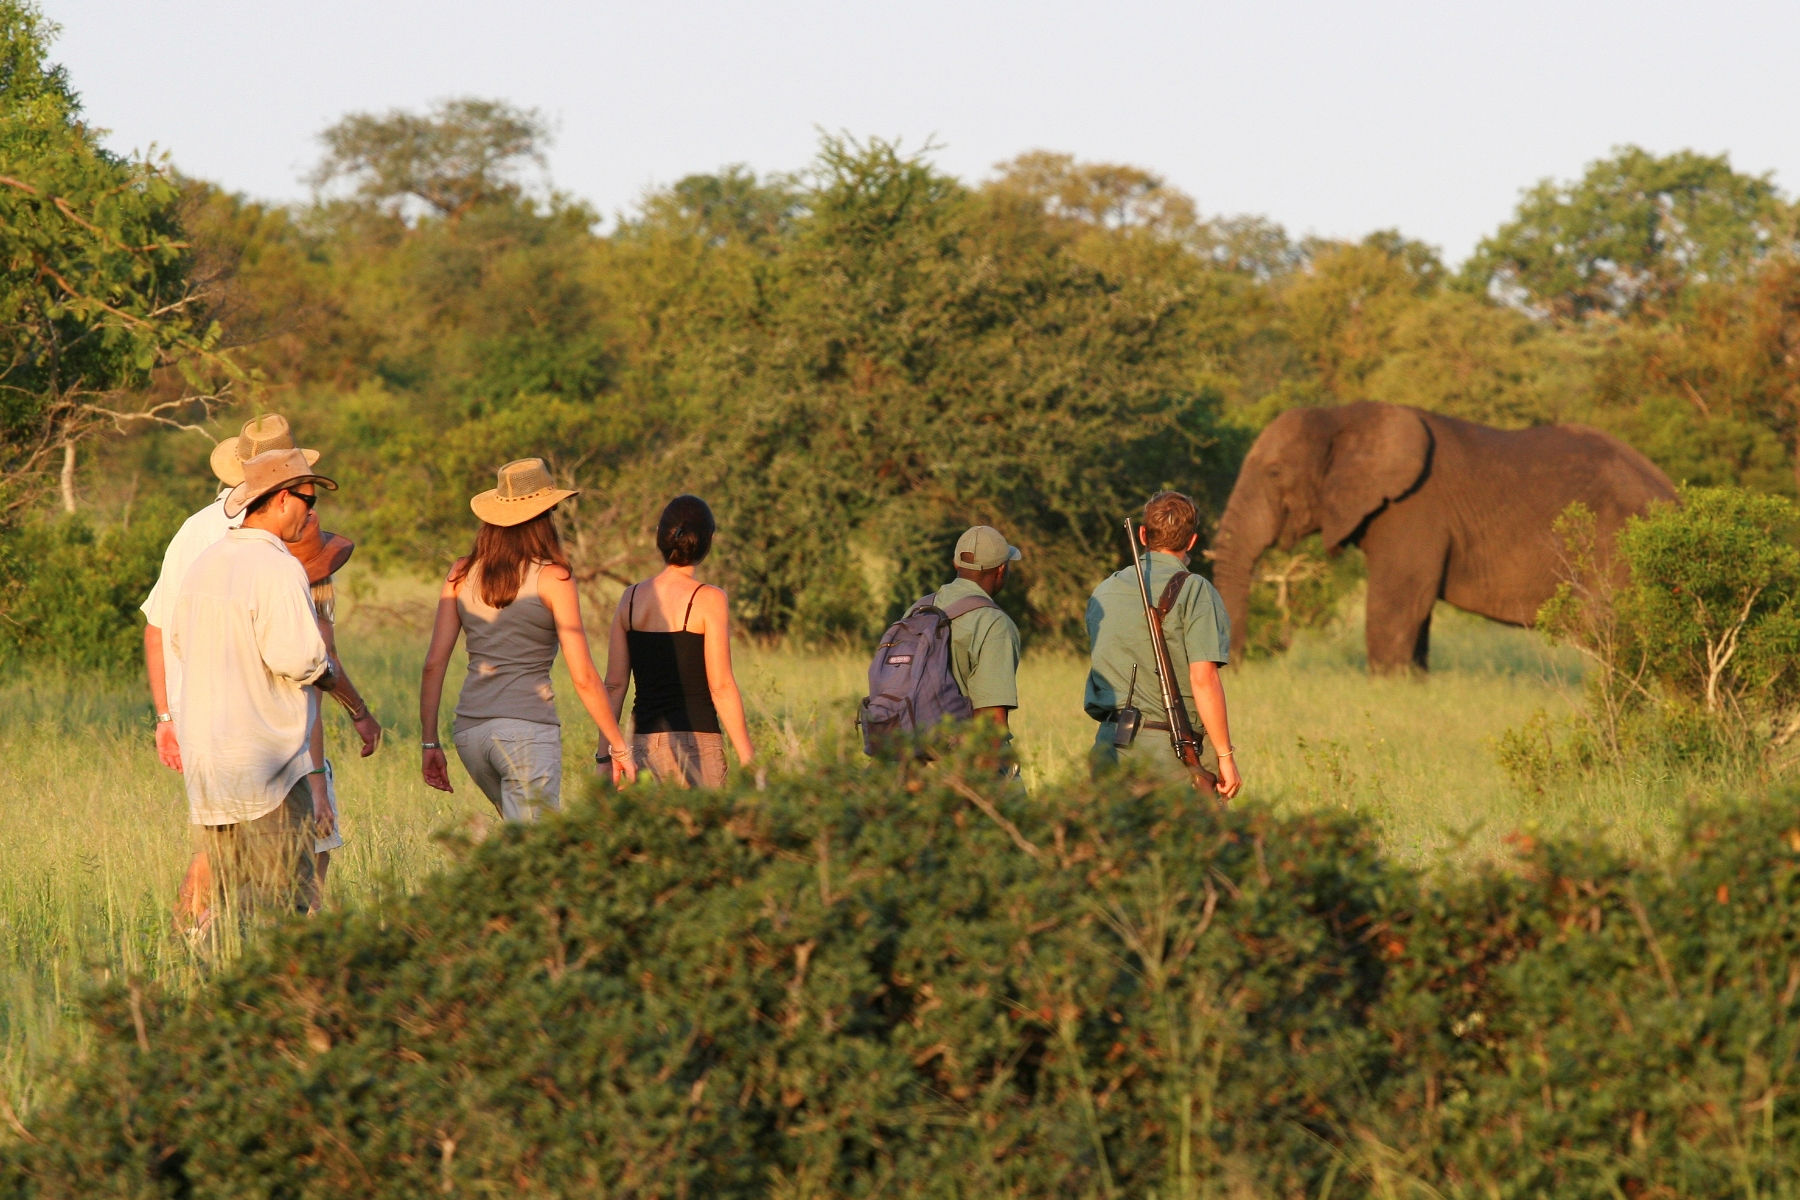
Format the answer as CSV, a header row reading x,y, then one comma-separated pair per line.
x,y
94,834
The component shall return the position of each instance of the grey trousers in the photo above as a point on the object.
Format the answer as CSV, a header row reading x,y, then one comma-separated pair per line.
x,y
516,764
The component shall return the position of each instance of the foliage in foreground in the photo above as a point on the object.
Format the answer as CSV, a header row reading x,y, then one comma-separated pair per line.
x,y
861,984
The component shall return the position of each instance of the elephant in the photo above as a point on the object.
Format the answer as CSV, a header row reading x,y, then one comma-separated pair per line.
x,y
1444,509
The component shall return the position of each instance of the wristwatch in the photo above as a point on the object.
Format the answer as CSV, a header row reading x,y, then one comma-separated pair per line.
x,y
165,718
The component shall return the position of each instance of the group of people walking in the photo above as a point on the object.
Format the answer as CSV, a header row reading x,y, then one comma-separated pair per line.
x,y
241,650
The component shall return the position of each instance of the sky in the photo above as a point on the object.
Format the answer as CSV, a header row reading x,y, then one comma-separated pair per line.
x,y
1332,118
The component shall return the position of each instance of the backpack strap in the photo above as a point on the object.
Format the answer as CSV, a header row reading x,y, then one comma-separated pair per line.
x,y
952,611
968,605
1172,592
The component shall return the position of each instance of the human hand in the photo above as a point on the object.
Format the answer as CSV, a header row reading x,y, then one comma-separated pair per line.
x,y
324,817
623,769
167,748
369,730
1229,781
436,770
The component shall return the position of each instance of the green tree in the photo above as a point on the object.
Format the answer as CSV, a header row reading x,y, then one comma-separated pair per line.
x,y
463,153
730,205
1700,616
1634,231
1469,357
95,298
1343,309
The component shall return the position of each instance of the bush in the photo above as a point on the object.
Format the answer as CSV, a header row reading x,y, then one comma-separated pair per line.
x,y
69,594
1693,634
871,982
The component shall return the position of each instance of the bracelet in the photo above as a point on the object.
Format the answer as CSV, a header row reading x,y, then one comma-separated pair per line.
x,y
618,751
602,759
1228,752
164,718
316,771
431,745
357,716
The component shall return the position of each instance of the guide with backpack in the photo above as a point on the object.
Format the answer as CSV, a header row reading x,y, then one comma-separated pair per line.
x,y
952,655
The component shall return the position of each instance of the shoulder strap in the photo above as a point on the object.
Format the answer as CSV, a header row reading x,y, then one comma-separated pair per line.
x,y
630,604
1172,592
968,605
690,608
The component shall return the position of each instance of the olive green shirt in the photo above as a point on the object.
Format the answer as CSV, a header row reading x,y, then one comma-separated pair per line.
x,y
1196,629
984,649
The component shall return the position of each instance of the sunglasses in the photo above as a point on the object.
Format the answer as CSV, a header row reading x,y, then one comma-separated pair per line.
x,y
302,497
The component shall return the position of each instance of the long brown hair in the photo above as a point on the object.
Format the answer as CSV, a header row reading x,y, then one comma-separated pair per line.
x,y
503,553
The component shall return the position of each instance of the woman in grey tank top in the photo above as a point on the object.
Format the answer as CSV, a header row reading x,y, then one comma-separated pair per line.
x,y
514,599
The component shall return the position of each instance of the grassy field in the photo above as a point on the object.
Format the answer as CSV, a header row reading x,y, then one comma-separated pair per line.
x,y
94,836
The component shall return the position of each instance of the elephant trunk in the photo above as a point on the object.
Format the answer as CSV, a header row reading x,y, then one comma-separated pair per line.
x,y
1245,531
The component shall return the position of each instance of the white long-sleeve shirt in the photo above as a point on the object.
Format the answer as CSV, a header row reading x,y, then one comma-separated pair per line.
x,y
196,535
248,643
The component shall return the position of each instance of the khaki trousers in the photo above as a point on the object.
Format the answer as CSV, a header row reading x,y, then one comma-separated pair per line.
x,y
265,864
682,758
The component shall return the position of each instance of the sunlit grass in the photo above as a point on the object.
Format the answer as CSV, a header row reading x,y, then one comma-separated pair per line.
x,y
94,834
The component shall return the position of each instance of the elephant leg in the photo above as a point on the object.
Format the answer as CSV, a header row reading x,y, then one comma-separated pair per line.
x,y
1406,574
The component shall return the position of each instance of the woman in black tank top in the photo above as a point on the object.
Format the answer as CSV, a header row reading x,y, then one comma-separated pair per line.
x,y
670,669
671,638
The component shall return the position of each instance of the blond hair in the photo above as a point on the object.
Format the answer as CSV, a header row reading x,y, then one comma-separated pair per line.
x,y
324,600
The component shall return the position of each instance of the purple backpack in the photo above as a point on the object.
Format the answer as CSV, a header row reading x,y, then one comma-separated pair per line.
x,y
911,685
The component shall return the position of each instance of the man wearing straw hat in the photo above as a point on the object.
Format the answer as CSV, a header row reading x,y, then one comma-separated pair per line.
x,y
270,432
200,531
248,645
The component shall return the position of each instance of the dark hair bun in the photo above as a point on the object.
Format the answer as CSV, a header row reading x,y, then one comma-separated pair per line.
x,y
684,534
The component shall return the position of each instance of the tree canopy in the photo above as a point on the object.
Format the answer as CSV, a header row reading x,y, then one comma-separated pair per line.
x,y
94,288
855,360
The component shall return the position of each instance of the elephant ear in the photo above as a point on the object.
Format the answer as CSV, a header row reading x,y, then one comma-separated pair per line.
x,y
1379,453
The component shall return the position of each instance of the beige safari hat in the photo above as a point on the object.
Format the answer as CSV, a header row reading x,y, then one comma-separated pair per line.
x,y
525,490
982,549
271,471
260,435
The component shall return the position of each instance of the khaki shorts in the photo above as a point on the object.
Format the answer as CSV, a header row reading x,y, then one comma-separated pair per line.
x,y
516,764
266,863
681,758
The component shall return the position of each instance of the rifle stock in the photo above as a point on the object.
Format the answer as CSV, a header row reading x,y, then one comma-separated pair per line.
x,y
1182,738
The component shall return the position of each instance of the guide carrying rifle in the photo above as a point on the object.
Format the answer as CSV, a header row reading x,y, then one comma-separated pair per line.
x,y
1155,620
1182,738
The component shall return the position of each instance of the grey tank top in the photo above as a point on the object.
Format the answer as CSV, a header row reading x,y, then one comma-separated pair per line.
x,y
510,652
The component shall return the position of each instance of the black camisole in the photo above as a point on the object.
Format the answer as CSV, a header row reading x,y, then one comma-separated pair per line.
x,y
669,670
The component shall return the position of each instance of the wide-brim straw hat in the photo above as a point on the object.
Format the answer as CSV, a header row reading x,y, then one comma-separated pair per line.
x,y
259,436
525,490
320,552
271,471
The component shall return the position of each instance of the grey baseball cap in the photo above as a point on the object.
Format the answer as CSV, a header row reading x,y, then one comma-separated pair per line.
x,y
982,549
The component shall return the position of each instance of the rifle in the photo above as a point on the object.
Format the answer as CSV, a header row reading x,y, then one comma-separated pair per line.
x,y
1182,737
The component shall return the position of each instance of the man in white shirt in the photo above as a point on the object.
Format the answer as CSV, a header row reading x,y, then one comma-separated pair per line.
x,y
247,644
196,534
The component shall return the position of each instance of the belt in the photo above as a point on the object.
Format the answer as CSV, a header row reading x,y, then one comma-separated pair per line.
x,y
1112,714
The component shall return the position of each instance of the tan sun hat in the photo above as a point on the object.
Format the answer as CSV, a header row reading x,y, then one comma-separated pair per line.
x,y
525,490
982,549
321,553
260,435
271,471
